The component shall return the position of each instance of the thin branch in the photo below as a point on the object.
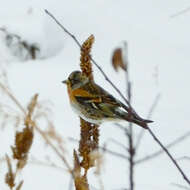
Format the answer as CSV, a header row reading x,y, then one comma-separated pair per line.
x,y
53,147
159,152
105,150
129,133
131,157
180,12
41,163
122,128
117,143
149,115
155,103
170,156
184,158
13,98
180,186
114,153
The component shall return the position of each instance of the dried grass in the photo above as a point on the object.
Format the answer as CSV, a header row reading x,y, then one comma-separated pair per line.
x,y
23,142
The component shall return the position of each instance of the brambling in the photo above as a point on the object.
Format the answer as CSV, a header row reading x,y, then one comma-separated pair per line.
x,y
95,105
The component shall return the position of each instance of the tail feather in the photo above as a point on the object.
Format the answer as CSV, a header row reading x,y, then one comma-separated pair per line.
x,y
132,116
148,121
139,121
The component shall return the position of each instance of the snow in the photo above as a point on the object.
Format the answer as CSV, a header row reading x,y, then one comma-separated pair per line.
x,y
158,45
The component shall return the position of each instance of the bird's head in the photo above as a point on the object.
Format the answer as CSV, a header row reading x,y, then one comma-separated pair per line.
x,y
76,79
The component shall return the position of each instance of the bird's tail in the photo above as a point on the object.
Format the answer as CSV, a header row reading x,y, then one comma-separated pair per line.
x,y
142,123
139,121
133,117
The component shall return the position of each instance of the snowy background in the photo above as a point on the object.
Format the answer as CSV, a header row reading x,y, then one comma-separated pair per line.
x,y
159,63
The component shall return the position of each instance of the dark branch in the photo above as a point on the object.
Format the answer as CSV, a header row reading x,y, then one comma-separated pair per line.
x,y
180,186
149,115
114,153
105,150
117,143
184,158
129,133
159,152
125,129
170,156
180,12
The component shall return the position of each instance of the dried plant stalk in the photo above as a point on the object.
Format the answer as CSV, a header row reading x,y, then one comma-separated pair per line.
x,y
85,59
10,176
20,185
24,139
81,182
87,144
89,136
30,108
23,142
95,135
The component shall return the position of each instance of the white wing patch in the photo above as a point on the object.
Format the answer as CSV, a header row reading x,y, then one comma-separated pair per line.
x,y
121,110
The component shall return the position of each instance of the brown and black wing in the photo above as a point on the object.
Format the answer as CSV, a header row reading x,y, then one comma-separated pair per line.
x,y
109,99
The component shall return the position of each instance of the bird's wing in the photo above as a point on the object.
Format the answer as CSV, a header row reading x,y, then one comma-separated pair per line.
x,y
108,101
94,93
97,98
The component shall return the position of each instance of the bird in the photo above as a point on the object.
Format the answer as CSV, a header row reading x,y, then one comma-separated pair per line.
x,y
95,105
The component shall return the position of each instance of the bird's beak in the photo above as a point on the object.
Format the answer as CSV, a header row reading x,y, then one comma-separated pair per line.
x,y
65,81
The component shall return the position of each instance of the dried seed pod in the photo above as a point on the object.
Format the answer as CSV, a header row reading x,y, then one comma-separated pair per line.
x,y
117,60
85,59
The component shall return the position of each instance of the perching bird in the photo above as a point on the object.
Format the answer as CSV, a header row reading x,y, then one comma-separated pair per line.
x,y
95,105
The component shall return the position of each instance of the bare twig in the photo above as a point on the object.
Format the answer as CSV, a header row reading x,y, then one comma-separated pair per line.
x,y
114,153
151,110
53,147
117,143
180,12
130,138
41,163
131,157
184,158
180,186
125,129
12,97
105,150
129,133
159,152
46,164
170,156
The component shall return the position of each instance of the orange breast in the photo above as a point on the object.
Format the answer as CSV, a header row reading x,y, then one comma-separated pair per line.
x,y
70,92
